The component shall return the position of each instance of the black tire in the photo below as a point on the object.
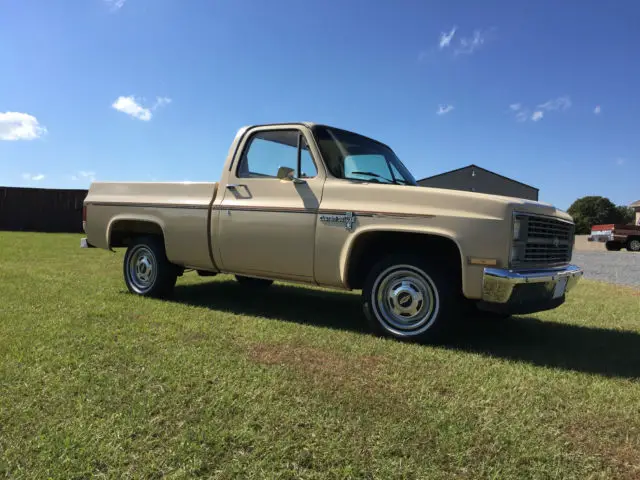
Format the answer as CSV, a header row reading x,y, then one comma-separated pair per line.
x,y
633,245
613,246
147,271
253,282
400,279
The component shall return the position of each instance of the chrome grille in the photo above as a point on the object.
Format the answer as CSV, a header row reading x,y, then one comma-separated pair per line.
x,y
544,241
548,228
544,253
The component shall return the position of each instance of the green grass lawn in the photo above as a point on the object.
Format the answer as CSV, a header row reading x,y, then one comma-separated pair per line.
x,y
220,382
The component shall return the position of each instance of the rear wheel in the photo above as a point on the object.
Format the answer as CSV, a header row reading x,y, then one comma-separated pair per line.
x,y
253,282
633,245
147,271
409,298
613,246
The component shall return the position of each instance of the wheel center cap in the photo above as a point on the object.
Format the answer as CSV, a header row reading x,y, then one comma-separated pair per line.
x,y
405,299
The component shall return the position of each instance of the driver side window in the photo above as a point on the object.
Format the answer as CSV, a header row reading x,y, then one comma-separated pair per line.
x,y
267,151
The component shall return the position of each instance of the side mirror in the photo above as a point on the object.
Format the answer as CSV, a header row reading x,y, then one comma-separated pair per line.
x,y
288,174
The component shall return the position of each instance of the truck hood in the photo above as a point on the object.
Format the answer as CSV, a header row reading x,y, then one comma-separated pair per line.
x,y
487,204
439,202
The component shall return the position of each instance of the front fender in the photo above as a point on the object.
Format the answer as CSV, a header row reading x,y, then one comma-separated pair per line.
x,y
345,254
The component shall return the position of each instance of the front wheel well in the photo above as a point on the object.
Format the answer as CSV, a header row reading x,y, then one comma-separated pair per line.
x,y
123,232
371,247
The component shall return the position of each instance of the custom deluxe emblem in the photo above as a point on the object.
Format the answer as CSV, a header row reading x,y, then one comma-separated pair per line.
x,y
348,219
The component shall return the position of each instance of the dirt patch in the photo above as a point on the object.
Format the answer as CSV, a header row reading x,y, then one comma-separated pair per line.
x,y
322,366
616,441
194,337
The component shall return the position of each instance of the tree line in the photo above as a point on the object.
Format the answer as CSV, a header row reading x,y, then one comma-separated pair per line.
x,y
596,210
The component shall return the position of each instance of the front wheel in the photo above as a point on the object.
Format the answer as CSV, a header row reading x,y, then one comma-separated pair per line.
x,y
613,246
147,271
408,298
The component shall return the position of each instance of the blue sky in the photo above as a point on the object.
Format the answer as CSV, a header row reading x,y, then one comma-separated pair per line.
x,y
544,92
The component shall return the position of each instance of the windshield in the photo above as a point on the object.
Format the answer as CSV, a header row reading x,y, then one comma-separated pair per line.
x,y
354,157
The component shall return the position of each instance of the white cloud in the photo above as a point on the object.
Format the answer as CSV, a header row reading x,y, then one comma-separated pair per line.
x,y
161,102
84,176
131,106
560,103
35,178
537,115
445,38
522,113
444,109
597,110
115,5
621,161
20,126
468,45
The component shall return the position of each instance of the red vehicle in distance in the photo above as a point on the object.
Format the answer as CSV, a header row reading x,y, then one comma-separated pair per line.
x,y
616,237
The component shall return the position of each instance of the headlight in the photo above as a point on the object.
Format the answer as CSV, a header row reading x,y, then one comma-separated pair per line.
x,y
516,229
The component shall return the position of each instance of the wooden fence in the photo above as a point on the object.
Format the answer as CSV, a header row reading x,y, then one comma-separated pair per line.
x,y
41,209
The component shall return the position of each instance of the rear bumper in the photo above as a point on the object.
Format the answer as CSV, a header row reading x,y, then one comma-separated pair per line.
x,y
84,243
511,291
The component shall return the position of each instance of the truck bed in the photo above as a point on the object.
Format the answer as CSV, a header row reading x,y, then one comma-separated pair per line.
x,y
178,210
153,193
619,228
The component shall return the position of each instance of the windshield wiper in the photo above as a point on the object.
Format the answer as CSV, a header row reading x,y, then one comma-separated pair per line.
x,y
375,175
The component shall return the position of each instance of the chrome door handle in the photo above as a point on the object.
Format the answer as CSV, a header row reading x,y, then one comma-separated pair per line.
x,y
236,185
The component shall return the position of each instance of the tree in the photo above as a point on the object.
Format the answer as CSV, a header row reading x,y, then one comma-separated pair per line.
x,y
626,215
595,210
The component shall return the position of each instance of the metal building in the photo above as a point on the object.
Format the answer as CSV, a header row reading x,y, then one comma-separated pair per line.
x,y
477,179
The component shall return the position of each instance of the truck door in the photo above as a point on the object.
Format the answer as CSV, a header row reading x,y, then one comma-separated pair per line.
x,y
267,223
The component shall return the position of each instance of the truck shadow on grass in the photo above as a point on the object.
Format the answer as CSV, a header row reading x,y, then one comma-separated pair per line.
x,y
610,353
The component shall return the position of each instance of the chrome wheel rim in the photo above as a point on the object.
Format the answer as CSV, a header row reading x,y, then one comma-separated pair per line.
x,y
142,268
405,300
634,245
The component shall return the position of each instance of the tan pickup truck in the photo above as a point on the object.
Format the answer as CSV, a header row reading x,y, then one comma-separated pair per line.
x,y
323,206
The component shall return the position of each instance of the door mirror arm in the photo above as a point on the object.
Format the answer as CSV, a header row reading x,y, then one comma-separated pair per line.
x,y
288,174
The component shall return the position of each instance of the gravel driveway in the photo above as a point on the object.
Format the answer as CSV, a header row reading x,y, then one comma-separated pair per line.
x,y
613,267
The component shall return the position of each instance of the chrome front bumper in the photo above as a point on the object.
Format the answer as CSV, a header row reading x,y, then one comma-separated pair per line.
x,y
527,291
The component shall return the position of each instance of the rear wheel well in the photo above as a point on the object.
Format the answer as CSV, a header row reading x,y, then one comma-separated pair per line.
x,y
369,248
124,231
